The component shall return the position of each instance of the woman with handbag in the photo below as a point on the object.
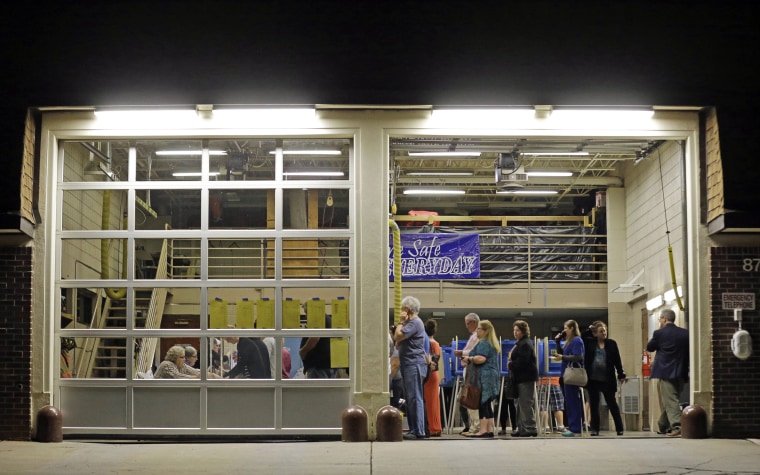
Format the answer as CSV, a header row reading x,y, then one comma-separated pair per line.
x,y
485,359
523,367
571,355
602,362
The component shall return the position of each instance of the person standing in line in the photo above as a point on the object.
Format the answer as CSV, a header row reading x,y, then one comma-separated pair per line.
x,y
671,367
431,388
573,351
508,412
253,359
469,416
410,339
315,355
602,362
551,400
523,365
394,364
485,356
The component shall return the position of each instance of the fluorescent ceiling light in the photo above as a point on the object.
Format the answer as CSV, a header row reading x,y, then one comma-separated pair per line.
x,y
432,191
194,174
654,302
308,152
263,113
315,173
563,154
439,174
188,152
141,113
549,173
444,154
483,113
603,113
670,295
526,192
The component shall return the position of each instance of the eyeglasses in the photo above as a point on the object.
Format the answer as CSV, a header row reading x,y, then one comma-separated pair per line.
x,y
481,328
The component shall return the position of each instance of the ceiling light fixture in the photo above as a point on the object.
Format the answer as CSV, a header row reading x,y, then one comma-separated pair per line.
x,y
654,302
144,114
314,173
482,115
432,191
526,192
670,295
444,154
167,153
439,174
604,114
308,152
558,174
563,154
180,174
280,113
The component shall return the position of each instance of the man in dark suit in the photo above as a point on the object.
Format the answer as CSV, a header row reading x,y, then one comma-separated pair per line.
x,y
671,367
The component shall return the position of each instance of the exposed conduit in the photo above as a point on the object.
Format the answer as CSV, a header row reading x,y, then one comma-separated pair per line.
x,y
105,244
396,270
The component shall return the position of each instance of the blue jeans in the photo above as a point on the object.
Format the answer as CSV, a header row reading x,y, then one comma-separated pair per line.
x,y
413,376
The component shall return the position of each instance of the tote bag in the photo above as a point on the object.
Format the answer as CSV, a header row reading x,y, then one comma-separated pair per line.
x,y
470,397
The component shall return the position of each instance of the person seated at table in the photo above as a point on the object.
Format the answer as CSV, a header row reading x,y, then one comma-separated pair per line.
x,y
191,358
174,367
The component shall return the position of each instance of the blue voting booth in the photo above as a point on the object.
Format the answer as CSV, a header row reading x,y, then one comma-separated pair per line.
x,y
546,365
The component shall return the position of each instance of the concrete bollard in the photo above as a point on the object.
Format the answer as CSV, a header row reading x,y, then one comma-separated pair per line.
x,y
354,423
694,422
389,424
49,424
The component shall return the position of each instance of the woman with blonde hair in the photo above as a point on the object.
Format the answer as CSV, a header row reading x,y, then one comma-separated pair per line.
x,y
485,357
174,367
572,351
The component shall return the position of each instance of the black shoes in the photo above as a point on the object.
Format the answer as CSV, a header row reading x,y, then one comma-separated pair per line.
x,y
620,432
484,435
594,433
524,434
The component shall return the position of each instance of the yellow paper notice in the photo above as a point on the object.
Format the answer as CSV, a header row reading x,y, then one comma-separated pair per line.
x,y
339,352
340,313
291,314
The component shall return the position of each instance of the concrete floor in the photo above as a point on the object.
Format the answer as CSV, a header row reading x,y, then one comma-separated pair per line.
x,y
631,454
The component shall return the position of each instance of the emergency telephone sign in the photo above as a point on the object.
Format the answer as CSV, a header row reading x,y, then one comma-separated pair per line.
x,y
732,300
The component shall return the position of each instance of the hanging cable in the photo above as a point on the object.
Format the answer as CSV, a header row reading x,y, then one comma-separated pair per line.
x,y
673,282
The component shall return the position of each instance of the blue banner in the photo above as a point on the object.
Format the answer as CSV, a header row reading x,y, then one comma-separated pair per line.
x,y
429,256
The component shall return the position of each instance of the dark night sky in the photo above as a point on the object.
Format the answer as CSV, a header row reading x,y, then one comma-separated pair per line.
x,y
354,52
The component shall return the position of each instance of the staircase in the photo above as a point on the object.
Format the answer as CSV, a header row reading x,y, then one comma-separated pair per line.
x,y
107,357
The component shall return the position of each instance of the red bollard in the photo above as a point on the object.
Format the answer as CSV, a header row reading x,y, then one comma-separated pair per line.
x,y
389,425
694,422
49,424
354,423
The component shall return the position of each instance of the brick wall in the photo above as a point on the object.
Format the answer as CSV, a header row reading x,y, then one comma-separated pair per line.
x,y
15,342
736,383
